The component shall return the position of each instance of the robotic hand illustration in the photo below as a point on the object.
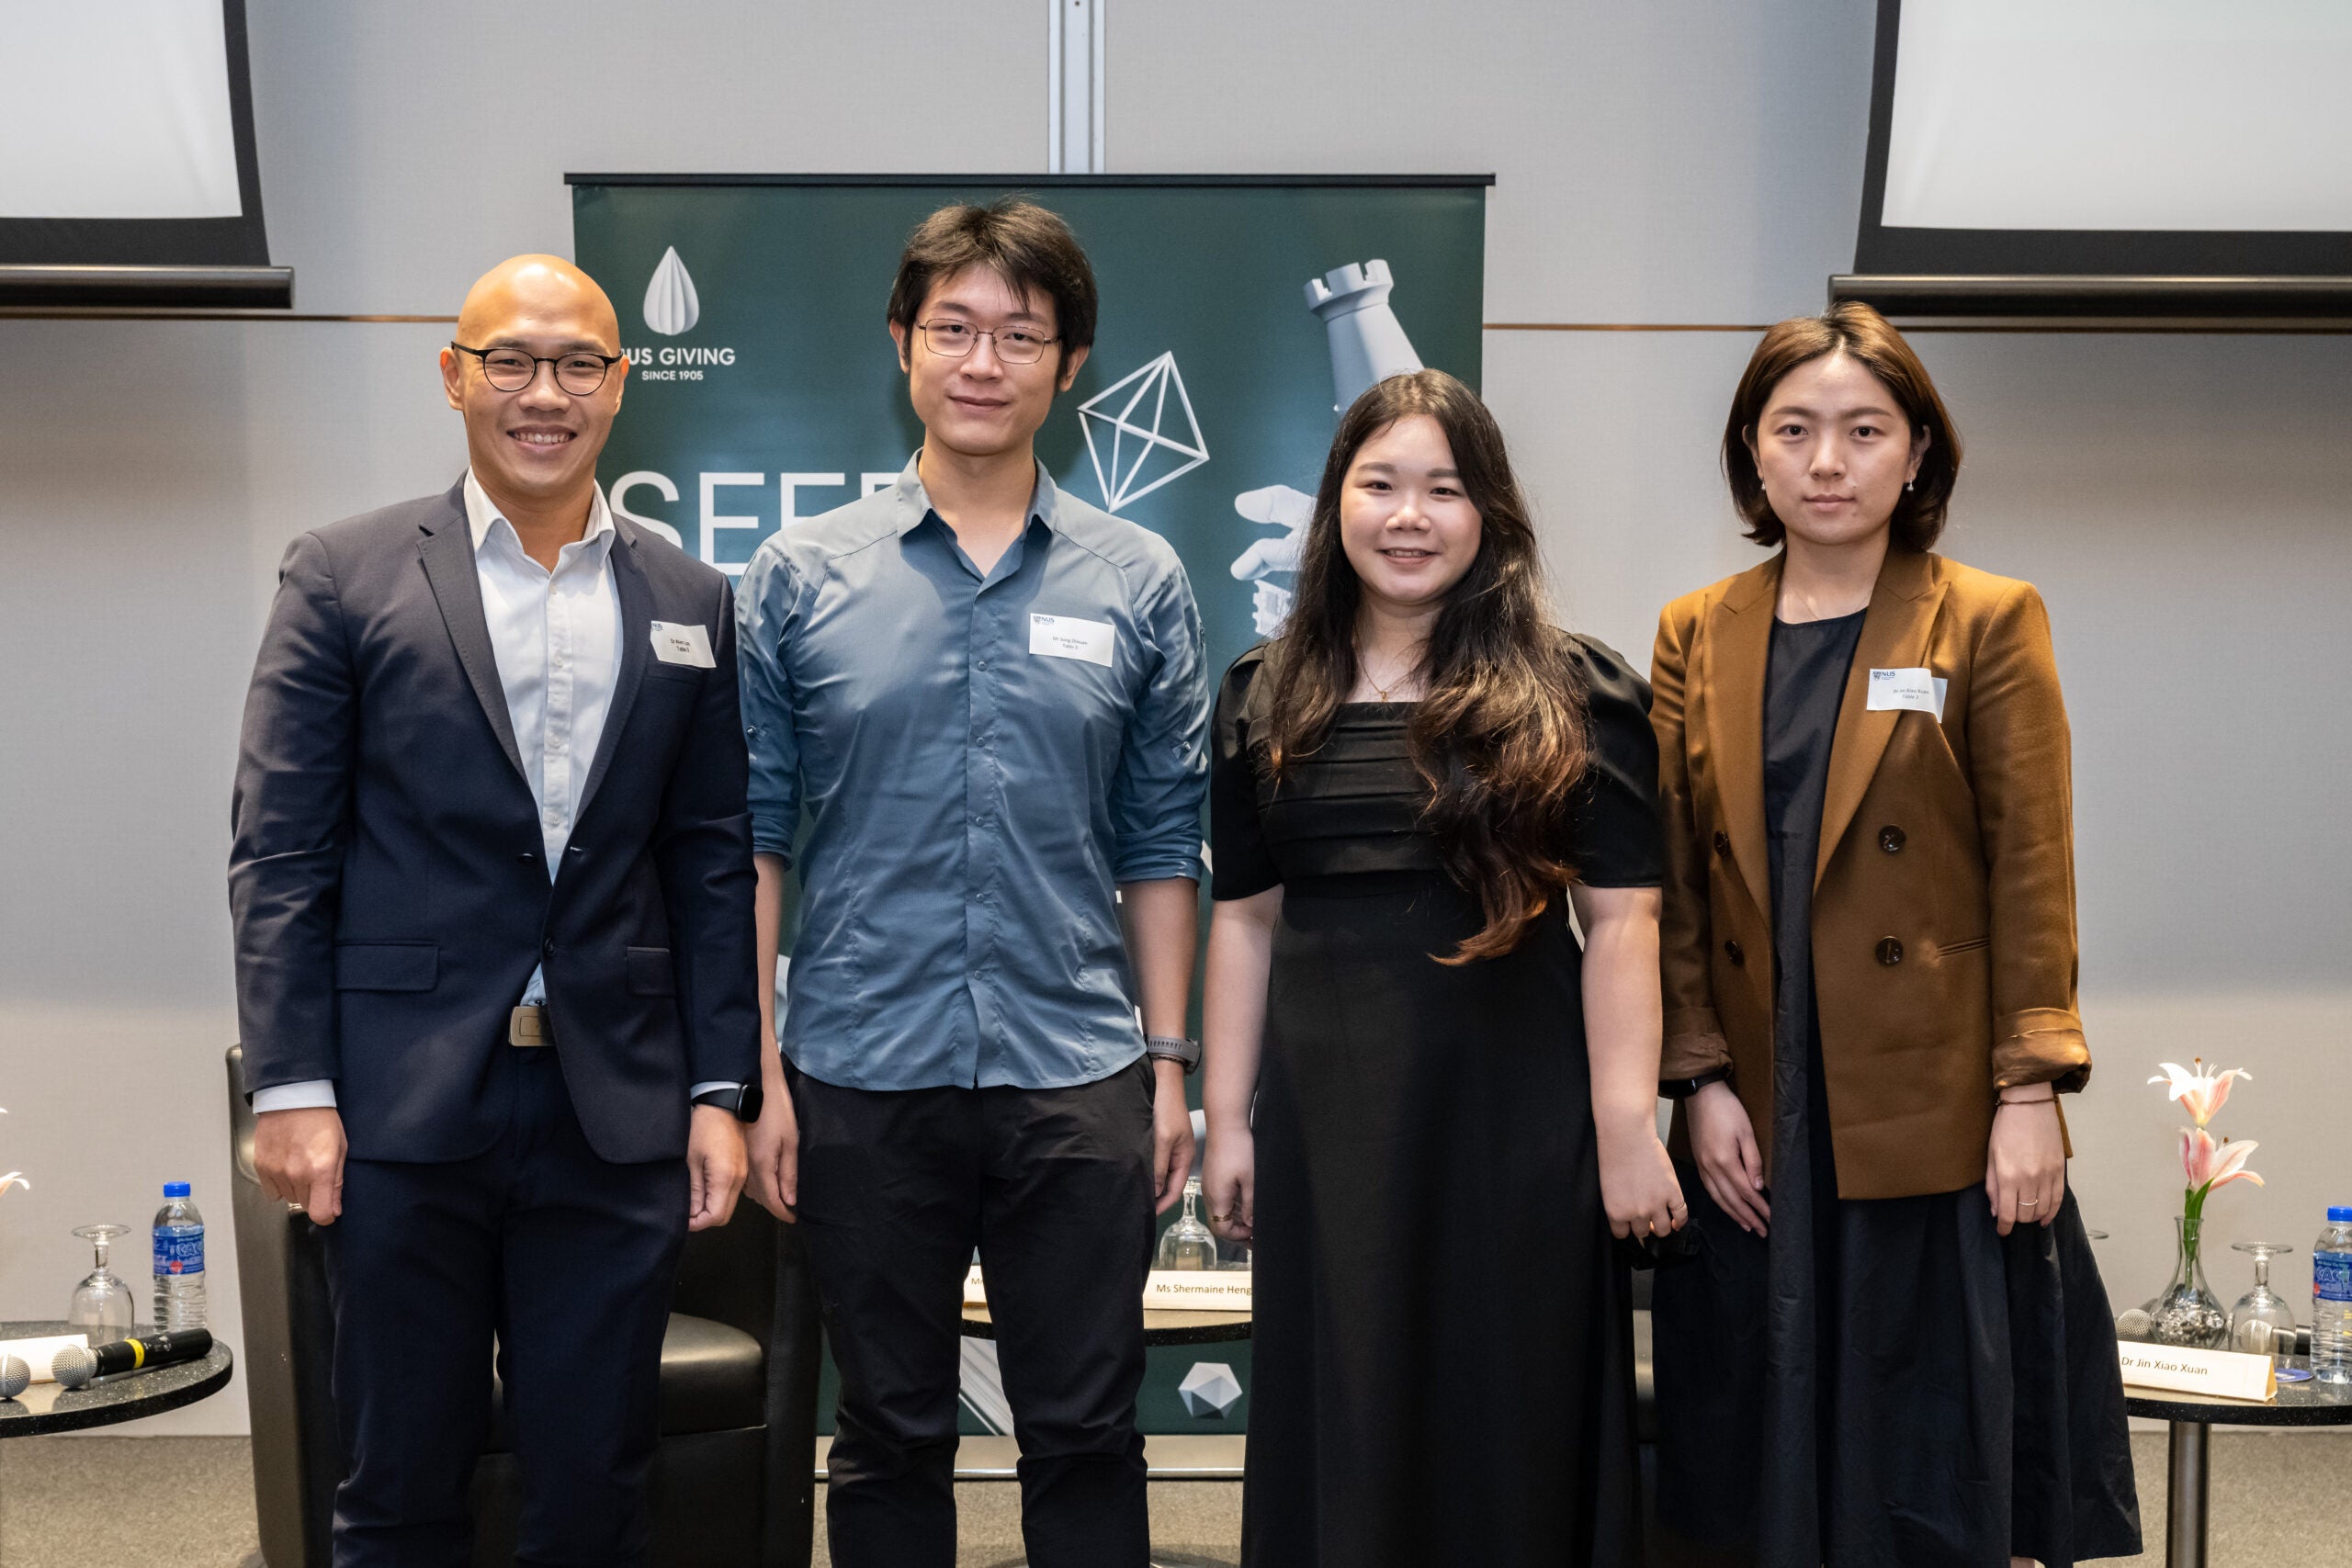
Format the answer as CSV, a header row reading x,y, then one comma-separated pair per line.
x,y
1277,506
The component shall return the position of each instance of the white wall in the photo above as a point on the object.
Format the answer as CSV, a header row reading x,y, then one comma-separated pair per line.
x,y
2180,500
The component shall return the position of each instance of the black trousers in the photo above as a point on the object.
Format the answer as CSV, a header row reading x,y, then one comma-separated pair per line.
x,y
569,1262
1054,1187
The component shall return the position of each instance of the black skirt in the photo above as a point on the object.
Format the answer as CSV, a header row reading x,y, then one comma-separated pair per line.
x,y
1889,1381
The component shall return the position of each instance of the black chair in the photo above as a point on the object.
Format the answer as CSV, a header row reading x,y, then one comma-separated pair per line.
x,y
732,1481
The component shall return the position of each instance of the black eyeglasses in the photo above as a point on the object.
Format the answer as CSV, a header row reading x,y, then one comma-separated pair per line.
x,y
954,340
580,372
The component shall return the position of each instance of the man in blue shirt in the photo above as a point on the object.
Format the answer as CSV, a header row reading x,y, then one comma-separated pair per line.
x,y
989,697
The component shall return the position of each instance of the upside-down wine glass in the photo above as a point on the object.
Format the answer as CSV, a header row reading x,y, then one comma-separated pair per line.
x,y
102,1306
2262,1315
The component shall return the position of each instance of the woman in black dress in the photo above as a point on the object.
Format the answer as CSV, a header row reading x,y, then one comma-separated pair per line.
x,y
1409,790
1892,1348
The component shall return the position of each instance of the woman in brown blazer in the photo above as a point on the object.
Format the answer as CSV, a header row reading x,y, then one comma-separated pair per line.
x,y
1892,1347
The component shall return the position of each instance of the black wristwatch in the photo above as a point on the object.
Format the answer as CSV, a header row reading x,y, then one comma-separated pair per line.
x,y
1183,1051
743,1099
1683,1088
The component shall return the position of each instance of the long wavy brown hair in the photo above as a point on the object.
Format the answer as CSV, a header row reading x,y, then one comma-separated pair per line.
x,y
1500,738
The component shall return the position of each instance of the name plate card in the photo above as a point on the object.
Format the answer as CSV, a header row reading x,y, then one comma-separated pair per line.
x,y
1197,1290
2224,1374
1165,1289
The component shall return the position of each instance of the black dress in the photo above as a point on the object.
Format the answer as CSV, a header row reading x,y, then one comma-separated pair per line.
x,y
1880,1382
1443,1367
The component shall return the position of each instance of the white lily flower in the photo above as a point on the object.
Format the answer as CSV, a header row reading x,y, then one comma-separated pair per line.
x,y
2200,1091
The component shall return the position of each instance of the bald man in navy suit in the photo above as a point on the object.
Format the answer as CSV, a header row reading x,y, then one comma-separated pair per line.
x,y
491,884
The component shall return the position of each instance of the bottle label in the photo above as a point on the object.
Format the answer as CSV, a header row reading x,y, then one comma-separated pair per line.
x,y
2332,1277
179,1249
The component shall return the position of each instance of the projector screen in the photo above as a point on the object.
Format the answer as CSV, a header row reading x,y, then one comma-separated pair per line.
x,y
2125,137
126,136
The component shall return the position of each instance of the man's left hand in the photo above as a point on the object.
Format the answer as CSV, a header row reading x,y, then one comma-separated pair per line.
x,y
1172,1135
716,1165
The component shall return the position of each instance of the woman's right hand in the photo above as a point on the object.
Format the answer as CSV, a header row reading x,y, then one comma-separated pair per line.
x,y
1730,1167
1230,1182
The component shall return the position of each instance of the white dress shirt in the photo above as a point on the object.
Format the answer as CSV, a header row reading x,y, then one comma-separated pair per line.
x,y
557,638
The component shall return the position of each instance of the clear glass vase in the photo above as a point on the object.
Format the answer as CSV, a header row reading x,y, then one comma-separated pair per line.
x,y
2187,1311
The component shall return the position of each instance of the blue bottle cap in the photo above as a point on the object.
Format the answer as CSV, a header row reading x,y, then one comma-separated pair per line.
x,y
2339,1215
179,1190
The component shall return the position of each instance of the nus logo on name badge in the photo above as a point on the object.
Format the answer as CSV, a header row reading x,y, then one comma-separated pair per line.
x,y
1066,637
683,642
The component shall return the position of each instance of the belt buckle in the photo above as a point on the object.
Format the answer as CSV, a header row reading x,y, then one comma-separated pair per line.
x,y
529,1026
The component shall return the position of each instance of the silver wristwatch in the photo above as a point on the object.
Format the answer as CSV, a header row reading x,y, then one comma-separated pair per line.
x,y
1173,1048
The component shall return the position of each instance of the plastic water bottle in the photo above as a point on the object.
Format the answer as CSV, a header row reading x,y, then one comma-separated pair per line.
x,y
179,1260
2332,1299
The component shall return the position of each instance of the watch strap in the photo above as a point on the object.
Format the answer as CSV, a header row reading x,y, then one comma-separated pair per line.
x,y
1173,1048
1683,1088
742,1100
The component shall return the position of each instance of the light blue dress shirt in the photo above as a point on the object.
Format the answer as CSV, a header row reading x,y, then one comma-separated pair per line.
x,y
983,758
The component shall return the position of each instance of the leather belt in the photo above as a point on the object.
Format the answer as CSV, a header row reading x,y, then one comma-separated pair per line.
x,y
530,1026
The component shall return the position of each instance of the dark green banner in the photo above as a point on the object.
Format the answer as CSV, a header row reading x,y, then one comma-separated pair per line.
x,y
1235,314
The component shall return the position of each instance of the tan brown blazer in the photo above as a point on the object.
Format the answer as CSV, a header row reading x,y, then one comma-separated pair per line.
x,y
1944,906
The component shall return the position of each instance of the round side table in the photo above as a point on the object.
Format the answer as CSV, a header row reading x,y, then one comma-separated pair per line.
x,y
49,1407
2188,1470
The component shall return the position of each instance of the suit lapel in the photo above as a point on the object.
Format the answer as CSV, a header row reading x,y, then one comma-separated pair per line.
x,y
1739,642
1894,637
448,551
637,641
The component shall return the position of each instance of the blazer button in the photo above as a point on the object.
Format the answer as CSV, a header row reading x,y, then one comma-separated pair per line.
x,y
546,948
1733,952
1723,843
1889,952
1891,839
527,858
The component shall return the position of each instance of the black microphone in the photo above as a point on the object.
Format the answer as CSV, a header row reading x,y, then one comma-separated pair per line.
x,y
73,1366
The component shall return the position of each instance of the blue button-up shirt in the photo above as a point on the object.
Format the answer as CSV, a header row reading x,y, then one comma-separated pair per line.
x,y
983,758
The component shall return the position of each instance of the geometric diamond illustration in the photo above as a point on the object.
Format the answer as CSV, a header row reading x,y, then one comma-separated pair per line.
x,y
1137,440
1209,1389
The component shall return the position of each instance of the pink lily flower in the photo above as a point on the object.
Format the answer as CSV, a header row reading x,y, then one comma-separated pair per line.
x,y
2209,1165
2200,1092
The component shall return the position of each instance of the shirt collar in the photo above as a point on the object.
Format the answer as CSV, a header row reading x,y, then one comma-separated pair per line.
x,y
913,502
482,515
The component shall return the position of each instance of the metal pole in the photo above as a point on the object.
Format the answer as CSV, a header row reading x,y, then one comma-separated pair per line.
x,y
1074,87
2189,1471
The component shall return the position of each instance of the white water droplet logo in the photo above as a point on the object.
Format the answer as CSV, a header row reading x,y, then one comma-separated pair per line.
x,y
670,304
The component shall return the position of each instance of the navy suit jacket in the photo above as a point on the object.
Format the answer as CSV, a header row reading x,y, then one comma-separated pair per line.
x,y
388,882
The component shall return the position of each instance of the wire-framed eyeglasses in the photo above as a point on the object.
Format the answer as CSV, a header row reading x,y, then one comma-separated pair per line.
x,y
954,340
580,372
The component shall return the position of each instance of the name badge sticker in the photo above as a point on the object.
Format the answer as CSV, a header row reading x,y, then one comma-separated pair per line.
x,y
686,642
1066,637
1916,690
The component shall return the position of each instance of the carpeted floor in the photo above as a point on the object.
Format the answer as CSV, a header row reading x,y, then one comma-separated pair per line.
x,y
2279,1500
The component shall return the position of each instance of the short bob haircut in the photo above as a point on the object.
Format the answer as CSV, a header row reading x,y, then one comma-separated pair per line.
x,y
1863,336
1029,247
